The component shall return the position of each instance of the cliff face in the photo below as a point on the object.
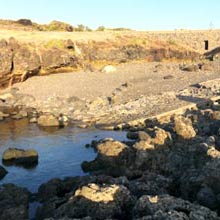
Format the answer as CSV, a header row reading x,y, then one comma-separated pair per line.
x,y
20,60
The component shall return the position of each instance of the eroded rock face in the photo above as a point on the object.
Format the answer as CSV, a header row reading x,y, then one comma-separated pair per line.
x,y
13,202
183,127
20,156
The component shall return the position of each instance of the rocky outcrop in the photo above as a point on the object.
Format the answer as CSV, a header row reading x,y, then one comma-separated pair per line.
x,y
13,202
98,202
20,156
21,61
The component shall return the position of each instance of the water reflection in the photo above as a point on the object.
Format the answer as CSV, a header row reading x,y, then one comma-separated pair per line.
x,y
61,151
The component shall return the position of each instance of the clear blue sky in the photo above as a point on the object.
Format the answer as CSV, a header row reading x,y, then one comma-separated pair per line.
x,y
135,14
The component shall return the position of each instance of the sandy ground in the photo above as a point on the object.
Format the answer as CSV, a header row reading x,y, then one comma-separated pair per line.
x,y
142,78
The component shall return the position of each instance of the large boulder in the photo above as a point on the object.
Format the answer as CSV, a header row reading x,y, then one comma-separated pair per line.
x,y
20,156
13,202
3,172
48,120
99,202
183,127
113,158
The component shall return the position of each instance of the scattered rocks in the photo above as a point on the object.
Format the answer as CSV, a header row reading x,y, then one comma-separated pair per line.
x,y
20,156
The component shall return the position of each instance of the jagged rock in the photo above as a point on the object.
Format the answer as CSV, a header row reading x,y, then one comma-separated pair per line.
x,y
168,207
48,120
183,127
97,201
20,156
3,172
161,137
13,202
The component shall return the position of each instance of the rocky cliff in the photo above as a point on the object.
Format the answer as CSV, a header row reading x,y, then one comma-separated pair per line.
x,y
20,60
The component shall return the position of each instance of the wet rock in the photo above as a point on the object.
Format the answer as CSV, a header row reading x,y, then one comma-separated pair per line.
x,y
13,202
98,202
48,120
20,156
168,207
183,127
3,172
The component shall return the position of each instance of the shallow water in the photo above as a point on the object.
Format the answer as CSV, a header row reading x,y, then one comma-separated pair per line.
x,y
61,151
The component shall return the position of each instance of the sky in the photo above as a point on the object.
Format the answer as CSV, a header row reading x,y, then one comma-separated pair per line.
x,y
134,14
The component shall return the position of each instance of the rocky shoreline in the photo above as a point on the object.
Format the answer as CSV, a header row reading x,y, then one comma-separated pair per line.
x,y
167,170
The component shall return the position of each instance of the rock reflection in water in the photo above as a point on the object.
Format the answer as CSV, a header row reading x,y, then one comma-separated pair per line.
x,y
61,151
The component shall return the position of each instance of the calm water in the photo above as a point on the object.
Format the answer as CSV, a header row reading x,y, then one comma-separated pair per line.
x,y
61,151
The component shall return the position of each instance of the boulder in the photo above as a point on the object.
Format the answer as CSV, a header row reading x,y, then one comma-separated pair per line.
x,y
113,158
14,202
99,202
3,172
20,156
183,127
161,137
48,120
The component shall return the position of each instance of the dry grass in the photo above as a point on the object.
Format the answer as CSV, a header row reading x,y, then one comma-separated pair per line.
x,y
187,39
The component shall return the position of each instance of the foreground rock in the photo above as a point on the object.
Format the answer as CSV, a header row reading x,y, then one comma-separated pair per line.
x,y
98,202
3,172
168,207
13,202
20,156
